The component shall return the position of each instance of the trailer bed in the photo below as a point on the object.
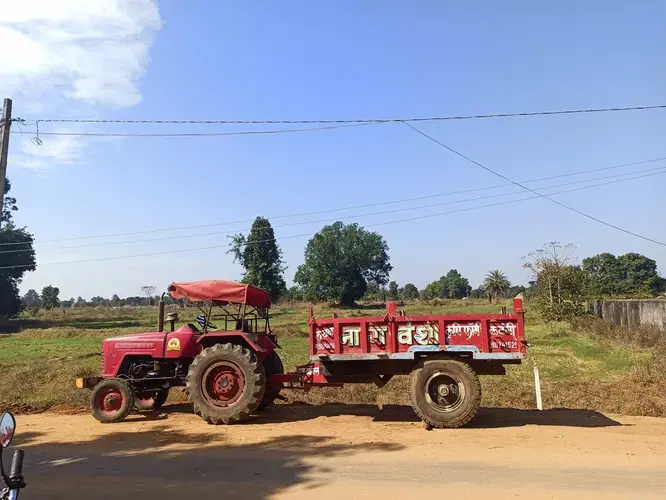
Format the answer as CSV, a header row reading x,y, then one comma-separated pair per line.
x,y
399,336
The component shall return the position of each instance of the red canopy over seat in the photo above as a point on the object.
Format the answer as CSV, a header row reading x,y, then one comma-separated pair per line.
x,y
222,291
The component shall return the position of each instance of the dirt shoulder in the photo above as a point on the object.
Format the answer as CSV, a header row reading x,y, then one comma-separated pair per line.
x,y
331,450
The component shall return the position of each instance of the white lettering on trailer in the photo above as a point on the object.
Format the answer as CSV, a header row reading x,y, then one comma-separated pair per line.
x,y
377,334
503,329
423,334
351,336
469,330
324,333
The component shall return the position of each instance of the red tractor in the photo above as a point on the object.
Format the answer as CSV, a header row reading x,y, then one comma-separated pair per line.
x,y
231,371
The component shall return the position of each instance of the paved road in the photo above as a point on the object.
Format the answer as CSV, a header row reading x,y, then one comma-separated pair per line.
x,y
300,452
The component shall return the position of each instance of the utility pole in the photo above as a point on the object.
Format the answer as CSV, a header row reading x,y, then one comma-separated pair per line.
x,y
5,123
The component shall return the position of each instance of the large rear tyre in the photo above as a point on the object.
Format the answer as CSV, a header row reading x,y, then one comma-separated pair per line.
x,y
150,400
272,366
225,383
445,393
111,400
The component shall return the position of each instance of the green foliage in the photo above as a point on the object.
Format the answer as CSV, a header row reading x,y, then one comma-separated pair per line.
x,y
450,286
32,301
99,301
375,292
433,290
560,287
261,257
628,275
50,297
496,283
409,291
516,290
478,293
393,290
9,205
15,264
340,261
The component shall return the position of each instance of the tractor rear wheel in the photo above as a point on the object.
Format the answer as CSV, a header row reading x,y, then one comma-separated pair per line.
x,y
272,366
445,392
225,383
111,400
150,400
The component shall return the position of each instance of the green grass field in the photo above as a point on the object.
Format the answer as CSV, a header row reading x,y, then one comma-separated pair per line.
x,y
578,369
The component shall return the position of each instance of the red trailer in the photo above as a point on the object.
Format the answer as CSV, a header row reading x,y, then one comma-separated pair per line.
x,y
231,371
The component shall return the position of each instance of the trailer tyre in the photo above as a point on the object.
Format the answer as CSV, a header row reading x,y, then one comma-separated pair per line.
x,y
111,400
225,383
151,400
272,366
445,393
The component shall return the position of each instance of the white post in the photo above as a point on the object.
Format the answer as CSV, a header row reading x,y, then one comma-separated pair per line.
x,y
537,387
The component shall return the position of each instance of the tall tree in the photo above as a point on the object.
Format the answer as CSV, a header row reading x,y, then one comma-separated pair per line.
x,y
450,286
32,298
640,275
454,285
148,291
340,261
604,274
50,297
14,264
261,257
496,283
628,275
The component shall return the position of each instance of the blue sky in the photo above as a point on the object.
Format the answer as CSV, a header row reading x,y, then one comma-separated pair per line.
x,y
329,60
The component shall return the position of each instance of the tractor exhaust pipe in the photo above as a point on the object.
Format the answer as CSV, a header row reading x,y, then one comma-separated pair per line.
x,y
160,314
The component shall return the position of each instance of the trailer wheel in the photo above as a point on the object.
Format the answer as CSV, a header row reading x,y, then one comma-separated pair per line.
x,y
111,400
150,400
225,383
272,366
445,392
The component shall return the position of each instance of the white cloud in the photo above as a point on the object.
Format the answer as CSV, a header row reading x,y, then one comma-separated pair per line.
x,y
73,57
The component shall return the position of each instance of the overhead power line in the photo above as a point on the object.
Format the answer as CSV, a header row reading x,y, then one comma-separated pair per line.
x,y
521,185
353,120
646,172
192,134
340,209
302,235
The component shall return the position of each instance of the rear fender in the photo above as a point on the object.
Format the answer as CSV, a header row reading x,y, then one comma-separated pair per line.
x,y
261,344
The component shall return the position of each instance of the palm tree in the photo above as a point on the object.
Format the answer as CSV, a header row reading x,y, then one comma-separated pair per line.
x,y
496,283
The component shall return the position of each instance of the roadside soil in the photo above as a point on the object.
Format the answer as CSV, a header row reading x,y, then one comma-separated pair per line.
x,y
334,451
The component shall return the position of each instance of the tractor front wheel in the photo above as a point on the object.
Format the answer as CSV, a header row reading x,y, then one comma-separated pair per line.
x,y
151,400
225,383
111,400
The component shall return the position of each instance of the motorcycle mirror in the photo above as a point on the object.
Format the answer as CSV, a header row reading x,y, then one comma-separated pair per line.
x,y
7,428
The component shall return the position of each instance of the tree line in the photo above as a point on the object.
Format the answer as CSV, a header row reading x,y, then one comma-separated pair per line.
x,y
344,263
49,298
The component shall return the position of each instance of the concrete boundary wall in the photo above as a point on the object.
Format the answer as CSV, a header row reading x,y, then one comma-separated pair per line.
x,y
631,313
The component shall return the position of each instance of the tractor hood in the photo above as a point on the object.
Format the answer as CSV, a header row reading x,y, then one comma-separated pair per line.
x,y
138,337
140,342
